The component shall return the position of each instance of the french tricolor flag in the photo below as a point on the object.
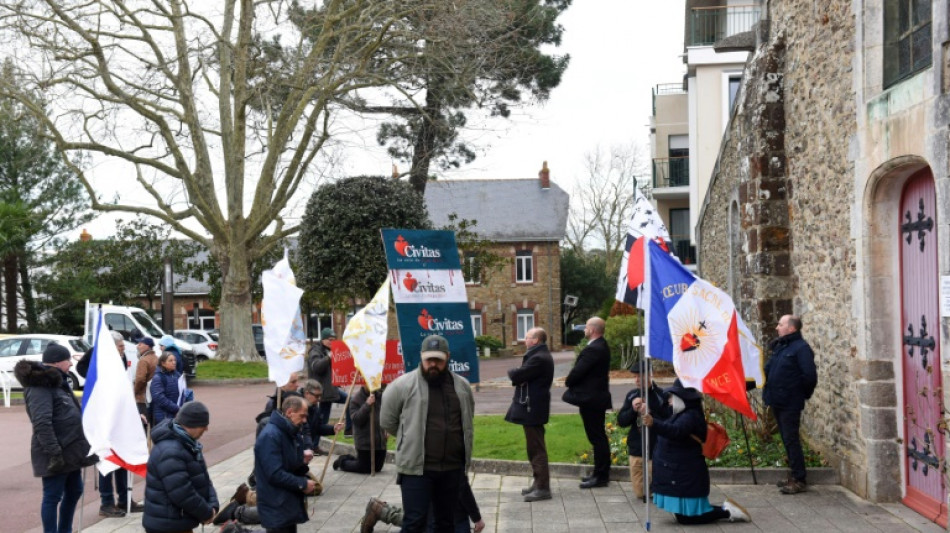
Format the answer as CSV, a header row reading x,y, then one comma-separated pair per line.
x,y
110,418
694,325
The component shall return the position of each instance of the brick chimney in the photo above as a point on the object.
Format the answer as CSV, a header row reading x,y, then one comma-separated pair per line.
x,y
85,236
545,176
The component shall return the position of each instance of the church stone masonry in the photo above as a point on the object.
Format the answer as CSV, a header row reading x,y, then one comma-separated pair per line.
x,y
804,215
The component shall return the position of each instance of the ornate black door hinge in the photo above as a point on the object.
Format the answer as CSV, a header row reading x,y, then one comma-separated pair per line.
x,y
922,225
924,341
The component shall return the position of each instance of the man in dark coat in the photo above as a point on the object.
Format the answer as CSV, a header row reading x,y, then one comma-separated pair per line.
x,y
790,379
320,368
178,490
531,408
588,387
58,448
369,439
281,469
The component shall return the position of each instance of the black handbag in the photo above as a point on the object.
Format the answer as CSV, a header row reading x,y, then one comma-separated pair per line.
x,y
570,397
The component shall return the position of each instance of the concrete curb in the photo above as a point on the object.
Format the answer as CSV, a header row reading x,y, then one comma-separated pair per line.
x,y
717,476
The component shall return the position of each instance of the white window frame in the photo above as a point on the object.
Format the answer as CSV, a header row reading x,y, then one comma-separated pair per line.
x,y
726,108
525,264
525,322
470,266
477,324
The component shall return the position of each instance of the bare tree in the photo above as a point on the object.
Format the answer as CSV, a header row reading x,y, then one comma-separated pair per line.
x,y
171,94
601,206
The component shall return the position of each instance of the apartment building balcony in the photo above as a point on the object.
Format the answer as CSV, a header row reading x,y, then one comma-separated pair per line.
x,y
666,89
671,177
683,249
707,25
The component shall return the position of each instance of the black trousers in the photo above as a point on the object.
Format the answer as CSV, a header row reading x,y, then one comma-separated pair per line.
x,y
538,456
597,435
789,424
438,490
362,464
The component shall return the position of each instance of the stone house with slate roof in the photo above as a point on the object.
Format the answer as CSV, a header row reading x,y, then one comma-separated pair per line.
x,y
830,199
526,220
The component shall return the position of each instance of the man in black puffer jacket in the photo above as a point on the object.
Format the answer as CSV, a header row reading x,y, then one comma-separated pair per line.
x,y
58,449
178,490
790,379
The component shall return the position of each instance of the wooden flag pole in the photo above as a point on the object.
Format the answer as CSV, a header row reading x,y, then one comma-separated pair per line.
x,y
372,439
336,435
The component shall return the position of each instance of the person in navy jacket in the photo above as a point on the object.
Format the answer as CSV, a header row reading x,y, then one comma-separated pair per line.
x,y
790,379
281,468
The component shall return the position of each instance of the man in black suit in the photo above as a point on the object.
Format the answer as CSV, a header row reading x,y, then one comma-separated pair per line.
x,y
588,385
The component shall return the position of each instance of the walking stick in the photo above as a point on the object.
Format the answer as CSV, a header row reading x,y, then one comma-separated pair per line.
x,y
346,406
747,447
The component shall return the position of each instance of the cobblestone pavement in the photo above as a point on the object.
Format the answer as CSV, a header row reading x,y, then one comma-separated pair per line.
x,y
823,508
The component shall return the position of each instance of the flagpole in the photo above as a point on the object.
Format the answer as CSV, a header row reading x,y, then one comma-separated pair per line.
x,y
82,503
346,405
128,490
647,287
747,447
372,439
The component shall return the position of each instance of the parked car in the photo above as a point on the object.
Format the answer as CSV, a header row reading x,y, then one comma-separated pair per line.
x,y
204,345
30,346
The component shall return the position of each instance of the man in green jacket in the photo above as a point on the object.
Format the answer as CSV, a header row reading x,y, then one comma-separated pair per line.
x,y
430,411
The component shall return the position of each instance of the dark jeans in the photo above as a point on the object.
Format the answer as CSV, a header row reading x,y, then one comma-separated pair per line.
x,y
285,529
717,513
538,456
362,463
440,490
121,487
597,435
789,423
61,493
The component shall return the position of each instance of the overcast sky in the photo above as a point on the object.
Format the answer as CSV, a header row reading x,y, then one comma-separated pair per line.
x,y
619,50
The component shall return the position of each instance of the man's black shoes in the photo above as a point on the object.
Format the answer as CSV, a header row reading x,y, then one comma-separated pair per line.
x,y
593,483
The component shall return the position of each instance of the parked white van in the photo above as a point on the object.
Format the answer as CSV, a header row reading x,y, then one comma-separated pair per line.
x,y
124,319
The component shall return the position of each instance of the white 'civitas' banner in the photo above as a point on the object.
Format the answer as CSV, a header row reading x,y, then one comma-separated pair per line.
x,y
427,285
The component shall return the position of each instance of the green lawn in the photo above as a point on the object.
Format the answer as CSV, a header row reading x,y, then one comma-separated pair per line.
x,y
213,369
497,439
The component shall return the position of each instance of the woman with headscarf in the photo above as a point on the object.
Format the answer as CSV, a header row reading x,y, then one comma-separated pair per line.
x,y
681,477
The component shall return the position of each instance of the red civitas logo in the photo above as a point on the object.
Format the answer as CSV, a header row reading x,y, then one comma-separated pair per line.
x,y
400,245
410,282
440,325
425,320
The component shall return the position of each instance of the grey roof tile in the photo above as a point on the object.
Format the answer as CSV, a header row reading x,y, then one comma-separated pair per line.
x,y
505,210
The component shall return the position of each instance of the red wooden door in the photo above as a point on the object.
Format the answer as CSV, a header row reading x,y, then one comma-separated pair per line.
x,y
926,488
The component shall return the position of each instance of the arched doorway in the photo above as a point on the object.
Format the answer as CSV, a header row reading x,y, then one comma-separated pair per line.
x,y
923,443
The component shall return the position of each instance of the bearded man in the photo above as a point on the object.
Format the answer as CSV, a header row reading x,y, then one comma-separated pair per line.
x,y
430,411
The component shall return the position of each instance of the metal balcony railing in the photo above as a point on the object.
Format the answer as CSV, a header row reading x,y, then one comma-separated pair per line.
x,y
664,89
671,172
683,249
710,24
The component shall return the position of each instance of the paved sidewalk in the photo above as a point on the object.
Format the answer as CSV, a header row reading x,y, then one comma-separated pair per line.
x,y
824,508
